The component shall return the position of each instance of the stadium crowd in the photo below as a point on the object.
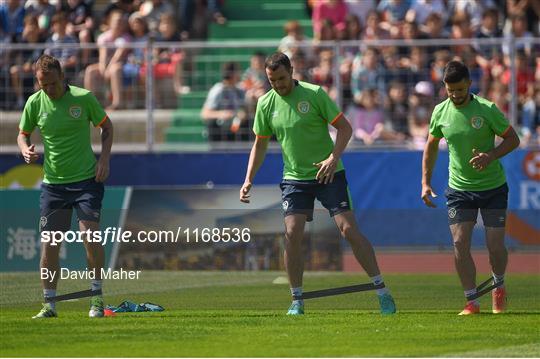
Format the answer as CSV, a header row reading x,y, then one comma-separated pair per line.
x,y
388,92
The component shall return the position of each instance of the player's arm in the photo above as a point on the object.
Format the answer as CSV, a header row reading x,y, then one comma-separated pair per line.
x,y
102,167
509,143
28,150
429,159
327,168
256,159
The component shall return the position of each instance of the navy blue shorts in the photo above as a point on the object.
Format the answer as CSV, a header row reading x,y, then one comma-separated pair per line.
x,y
298,197
463,206
58,200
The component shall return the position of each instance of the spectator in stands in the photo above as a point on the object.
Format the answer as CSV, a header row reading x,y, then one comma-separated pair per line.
x,y
394,67
215,9
254,82
152,10
67,56
294,36
530,128
469,57
415,66
367,73
112,56
531,9
489,29
441,58
524,77
367,118
44,12
410,34
254,75
135,59
461,29
195,16
420,10
22,73
12,19
360,9
397,109
519,31
472,9
421,104
352,30
300,66
322,73
168,61
537,72
334,11
498,93
224,110
373,30
393,11
81,25
127,7
434,29
326,33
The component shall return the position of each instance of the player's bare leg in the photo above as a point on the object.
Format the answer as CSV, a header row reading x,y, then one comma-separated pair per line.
x,y
95,256
294,259
50,259
365,255
498,258
361,247
461,235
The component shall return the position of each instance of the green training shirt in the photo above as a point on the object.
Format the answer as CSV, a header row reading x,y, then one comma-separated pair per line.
x,y
472,126
65,132
300,122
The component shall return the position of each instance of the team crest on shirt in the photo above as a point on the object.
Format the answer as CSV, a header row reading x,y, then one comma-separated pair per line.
x,y
75,111
477,122
303,107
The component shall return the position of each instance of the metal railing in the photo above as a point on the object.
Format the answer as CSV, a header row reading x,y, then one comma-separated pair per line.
x,y
168,118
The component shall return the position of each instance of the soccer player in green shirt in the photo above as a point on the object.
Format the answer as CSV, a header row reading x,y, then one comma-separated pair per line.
x,y
298,114
73,178
469,124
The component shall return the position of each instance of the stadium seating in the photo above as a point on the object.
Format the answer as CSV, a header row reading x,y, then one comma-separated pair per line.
x,y
262,21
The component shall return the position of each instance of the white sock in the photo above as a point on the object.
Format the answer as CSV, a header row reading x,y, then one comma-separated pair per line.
x,y
498,278
471,292
48,293
96,284
379,280
295,292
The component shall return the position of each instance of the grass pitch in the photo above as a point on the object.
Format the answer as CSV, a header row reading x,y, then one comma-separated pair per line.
x,y
242,314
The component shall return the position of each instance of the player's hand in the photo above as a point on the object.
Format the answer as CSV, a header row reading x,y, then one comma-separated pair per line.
x,y
327,168
244,192
102,169
480,160
30,155
427,192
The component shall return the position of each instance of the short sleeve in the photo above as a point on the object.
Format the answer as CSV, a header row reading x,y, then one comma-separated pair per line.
x,y
212,100
328,108
28,119
434,125
96,114
261,127
497,121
